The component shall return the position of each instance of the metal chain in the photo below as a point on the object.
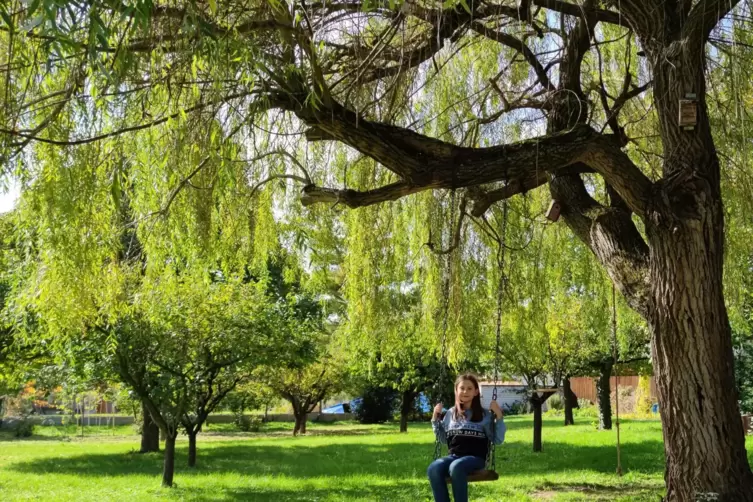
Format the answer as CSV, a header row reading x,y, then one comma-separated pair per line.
x,y
491,459
445,317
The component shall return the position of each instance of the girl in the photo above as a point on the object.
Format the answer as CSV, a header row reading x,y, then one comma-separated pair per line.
x,y
467,429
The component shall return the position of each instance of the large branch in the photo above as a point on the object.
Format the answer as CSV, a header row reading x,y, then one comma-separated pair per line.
x,y
484,200
645,17
703,18
571,9
423,162
352,198
610,234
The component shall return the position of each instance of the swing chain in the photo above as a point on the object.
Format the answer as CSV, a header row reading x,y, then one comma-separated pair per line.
x,y
445,317
491,459
500,297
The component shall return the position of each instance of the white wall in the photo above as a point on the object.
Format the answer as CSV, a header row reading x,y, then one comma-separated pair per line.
x,y
506,396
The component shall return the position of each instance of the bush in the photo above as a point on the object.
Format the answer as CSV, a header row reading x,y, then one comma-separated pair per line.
x,y
378,405
248,423
643,397
586,409
24,428
517,408
585,403
555,402
590,412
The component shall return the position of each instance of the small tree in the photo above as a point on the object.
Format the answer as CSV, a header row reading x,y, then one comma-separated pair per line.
x,y
247,395
305,384
188,347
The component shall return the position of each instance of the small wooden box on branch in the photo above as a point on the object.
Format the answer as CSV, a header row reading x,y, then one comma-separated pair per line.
x,y
688,112
553,213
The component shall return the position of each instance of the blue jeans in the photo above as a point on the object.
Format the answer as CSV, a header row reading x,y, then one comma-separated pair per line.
x,y
458,469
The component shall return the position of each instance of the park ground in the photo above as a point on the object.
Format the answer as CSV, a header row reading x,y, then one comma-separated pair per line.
x,y
334,462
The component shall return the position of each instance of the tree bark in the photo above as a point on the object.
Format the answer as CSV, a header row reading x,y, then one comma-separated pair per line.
x,y
149,432
603,395
300,422
570,400
302,426
693,363
169,462
704,442
192,448
406,405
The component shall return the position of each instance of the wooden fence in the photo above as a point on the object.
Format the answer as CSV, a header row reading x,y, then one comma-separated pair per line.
x,y
585,387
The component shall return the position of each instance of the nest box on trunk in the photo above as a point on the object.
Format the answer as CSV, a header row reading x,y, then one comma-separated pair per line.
x,y
688,112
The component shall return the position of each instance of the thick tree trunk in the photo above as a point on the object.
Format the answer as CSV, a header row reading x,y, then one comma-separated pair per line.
x,y
570,400
149,432
603,395
693,364
192,448
704,443
406,405
169,462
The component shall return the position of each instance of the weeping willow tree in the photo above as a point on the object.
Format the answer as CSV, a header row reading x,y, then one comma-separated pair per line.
x,y
216,116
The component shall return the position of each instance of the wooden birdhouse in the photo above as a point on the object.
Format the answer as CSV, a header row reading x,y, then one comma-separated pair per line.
x,y
553,213
688,112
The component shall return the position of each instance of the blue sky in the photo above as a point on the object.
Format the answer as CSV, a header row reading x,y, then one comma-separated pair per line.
x,y
8,198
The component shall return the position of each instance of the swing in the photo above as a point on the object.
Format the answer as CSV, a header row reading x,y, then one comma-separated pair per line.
x,y
489,472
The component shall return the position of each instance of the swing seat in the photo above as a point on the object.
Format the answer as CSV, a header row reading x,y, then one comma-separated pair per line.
x,y
480,476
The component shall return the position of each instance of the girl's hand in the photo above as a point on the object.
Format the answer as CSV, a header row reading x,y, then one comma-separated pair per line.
x,y
437,411
494,407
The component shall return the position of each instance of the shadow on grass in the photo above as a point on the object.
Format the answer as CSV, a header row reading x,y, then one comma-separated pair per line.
x,y
404,490
393,461
232,432
9,436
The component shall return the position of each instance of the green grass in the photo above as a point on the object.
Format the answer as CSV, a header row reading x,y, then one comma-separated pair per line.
x,y
336,462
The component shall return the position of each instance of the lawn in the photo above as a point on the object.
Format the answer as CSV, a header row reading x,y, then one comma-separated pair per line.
x,y
340,462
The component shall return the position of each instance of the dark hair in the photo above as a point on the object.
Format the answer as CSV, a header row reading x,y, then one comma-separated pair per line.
x,y
477,411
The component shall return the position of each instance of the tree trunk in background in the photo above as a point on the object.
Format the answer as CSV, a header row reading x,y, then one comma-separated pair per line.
x,y
192,448
536,404
570,401
149,432
406,405
300,421
603,395
169,462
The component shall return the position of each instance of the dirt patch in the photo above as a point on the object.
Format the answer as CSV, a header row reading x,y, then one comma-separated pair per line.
x,y
544,495
597,492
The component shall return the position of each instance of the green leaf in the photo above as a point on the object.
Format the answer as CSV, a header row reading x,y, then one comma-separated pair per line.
x,y
6,17
116,190
33,23
213,6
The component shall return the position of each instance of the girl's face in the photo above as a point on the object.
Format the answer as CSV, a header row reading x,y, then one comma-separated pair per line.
x,y
466,391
